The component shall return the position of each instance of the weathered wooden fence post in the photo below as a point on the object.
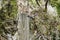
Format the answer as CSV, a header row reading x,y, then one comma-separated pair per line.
x,y
23,20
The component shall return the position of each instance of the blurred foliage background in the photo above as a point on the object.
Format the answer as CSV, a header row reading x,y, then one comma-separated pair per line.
x,y
57,4
8,12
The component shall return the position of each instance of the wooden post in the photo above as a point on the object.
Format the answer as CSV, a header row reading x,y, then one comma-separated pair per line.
x,y
23,27
23,20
